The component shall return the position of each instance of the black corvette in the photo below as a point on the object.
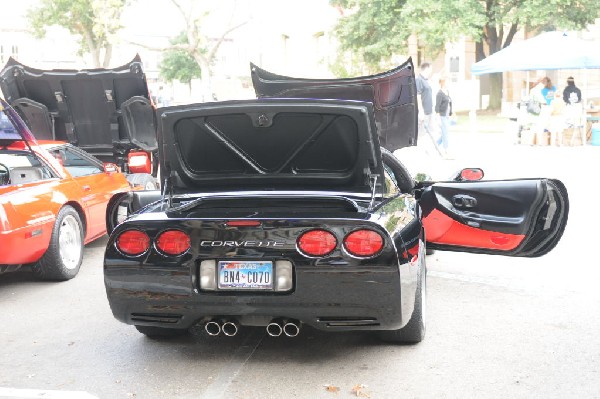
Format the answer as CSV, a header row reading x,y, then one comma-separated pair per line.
x,y
280,212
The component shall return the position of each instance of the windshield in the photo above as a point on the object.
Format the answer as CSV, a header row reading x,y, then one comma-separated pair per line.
x,y
16,159
7,129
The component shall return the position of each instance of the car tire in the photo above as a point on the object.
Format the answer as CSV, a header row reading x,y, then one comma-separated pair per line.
x,y
117,210
64,255
429,251
414,331
161,332
404,180
147,181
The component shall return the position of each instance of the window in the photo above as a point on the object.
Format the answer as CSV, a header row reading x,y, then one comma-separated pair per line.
x,y
20,167
77,164
7,129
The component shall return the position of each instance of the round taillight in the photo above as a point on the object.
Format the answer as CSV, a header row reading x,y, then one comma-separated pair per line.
x,y
363,243
317,243
173,242
133,242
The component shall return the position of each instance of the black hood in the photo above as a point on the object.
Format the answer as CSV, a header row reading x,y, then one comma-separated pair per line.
x,y
393,94
83,107
270,144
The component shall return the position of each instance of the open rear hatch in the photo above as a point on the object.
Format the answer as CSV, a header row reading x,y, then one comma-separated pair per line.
x,y
283,144
83,107
392,93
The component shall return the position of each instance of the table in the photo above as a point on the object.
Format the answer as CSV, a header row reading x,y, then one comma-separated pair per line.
x,y
592,116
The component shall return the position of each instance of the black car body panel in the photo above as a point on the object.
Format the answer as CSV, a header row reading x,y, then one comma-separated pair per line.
x,y
82,107
337,291
392,93
246,181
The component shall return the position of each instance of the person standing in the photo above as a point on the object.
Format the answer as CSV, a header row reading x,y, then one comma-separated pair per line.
x,y
426,100
539,119
574,112
548,90
443,107
571,94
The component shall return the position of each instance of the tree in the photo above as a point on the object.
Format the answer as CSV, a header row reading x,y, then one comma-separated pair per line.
x,y
381,28
94,21
177,64
199,45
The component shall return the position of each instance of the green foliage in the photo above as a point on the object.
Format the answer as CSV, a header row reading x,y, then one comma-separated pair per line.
x,y
437,22
375,30
371,31
178,64
74,15
94,21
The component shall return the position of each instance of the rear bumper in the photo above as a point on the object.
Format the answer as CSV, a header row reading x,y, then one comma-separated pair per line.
x,y
327,298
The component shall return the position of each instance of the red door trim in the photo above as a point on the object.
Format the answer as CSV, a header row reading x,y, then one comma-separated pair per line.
x,y
442,229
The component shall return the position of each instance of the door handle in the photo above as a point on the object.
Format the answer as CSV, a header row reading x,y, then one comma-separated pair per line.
x,y
463,201
86,188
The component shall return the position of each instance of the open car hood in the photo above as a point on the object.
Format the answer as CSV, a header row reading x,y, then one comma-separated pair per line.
x,y
393,94
83,107
282,144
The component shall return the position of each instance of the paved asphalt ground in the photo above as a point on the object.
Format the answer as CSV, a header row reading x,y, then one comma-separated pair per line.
x,y
497,327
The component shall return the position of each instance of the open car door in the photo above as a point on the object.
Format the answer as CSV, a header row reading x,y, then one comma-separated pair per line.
x,y
506,217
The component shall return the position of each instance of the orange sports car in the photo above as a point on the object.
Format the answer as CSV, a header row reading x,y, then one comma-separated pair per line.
x,y
53,199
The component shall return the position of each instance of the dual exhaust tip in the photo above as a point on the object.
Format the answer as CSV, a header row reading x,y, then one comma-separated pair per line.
x,y
275,328
216,327
290,328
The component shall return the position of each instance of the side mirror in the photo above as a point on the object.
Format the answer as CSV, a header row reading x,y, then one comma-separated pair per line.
x,y
469,174
110,168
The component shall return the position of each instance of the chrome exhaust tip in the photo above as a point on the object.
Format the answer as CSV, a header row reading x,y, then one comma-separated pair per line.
x,y
230,328
212,328
274,329
291,329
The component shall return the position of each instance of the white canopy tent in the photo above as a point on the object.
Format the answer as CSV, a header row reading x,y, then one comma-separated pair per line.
x,y
547,51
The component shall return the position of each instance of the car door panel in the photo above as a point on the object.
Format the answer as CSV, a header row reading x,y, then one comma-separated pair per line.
x,y
509,217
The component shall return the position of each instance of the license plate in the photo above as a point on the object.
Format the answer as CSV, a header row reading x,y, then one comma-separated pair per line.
x,y
245,275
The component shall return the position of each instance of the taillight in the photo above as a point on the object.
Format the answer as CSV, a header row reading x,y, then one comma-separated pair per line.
x,y
242,223
363,243
139,162
173,242
317,243
133,242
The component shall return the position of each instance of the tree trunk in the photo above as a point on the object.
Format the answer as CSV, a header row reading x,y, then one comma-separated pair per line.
x,y
96,57
479,53
93,48
107,55
495,91
205,79
495,44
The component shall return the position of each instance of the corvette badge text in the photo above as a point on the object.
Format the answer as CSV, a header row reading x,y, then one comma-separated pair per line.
x,y
242,244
